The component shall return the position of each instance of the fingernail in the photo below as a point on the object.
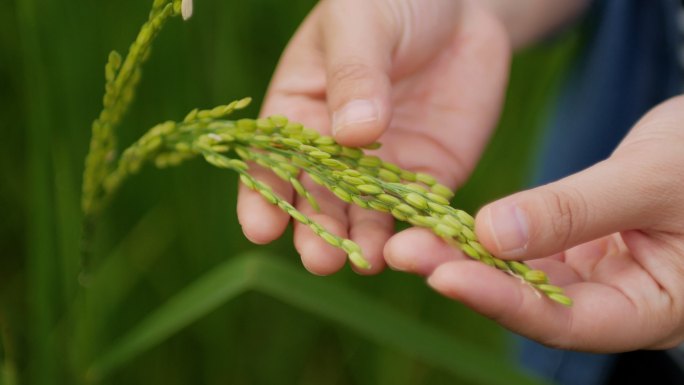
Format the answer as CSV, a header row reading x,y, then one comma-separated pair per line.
x,y
355,112
511,229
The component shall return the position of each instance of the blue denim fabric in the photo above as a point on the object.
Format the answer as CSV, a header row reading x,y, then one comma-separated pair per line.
x,y
628,66
565,367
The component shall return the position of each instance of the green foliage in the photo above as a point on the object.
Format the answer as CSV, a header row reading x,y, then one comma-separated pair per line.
x,y
368,316
57,321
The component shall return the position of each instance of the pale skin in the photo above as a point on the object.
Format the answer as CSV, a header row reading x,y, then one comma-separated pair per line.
x,y
427,79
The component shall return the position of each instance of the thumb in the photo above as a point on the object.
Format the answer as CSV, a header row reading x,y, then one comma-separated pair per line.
x,y
601,200
358,45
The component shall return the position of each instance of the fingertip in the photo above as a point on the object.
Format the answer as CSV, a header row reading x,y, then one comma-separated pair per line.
x,y
486,290
397,256
503,228
359,135
372,252
319,257
418,251
483,228
359,122
261,222
359,100
442,279
377,265
370,230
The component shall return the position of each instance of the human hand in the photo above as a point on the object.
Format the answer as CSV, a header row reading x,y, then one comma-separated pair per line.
x,y
614,237
430,75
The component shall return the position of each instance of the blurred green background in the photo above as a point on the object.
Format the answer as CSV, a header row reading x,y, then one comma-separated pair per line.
x,y
175,294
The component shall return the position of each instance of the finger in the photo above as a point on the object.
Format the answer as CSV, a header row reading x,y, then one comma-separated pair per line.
x,y
318,256
635,189
370,230
358,41
612,196
419,251
295,91
602,318
261,221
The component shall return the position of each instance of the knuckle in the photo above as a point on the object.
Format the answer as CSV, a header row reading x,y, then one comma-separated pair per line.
x,y
568,209
349,72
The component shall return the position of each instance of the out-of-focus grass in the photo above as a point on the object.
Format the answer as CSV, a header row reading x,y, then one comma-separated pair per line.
x,y
167,229
345,306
